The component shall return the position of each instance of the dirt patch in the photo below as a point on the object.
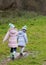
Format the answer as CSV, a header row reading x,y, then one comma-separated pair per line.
x,y
17,56
44,62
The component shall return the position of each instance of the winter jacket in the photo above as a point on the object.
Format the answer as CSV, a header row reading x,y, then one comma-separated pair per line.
x,y
11,36
22,38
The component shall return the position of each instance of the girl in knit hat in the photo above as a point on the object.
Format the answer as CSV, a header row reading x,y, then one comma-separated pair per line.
x,y
11,36
22,39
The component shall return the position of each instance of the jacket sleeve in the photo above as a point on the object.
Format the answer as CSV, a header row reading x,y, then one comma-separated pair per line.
x,y
6,36
26,39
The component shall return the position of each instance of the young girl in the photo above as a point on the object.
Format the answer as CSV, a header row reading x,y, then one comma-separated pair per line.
x,y
11,36
22,39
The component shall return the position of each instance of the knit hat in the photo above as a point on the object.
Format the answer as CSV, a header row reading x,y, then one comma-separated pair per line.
x,y
24,27
11,25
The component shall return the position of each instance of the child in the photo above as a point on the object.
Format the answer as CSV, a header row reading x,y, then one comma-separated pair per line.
x,y
22,39
11,36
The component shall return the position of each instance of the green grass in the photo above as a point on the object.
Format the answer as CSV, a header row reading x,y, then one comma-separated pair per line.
x,y
36,31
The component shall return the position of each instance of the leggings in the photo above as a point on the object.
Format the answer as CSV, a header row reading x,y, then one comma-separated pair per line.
x,y
12,50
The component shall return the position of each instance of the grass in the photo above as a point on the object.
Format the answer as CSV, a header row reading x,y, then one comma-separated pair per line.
x,y
36,31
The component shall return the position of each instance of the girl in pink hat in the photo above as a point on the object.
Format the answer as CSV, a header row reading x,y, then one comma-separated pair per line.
x,y
11,36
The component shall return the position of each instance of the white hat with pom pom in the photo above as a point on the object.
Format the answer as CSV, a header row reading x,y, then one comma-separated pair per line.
x,y
11,25
24,27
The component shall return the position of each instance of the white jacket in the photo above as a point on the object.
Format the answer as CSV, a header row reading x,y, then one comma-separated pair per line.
x,y
22,38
